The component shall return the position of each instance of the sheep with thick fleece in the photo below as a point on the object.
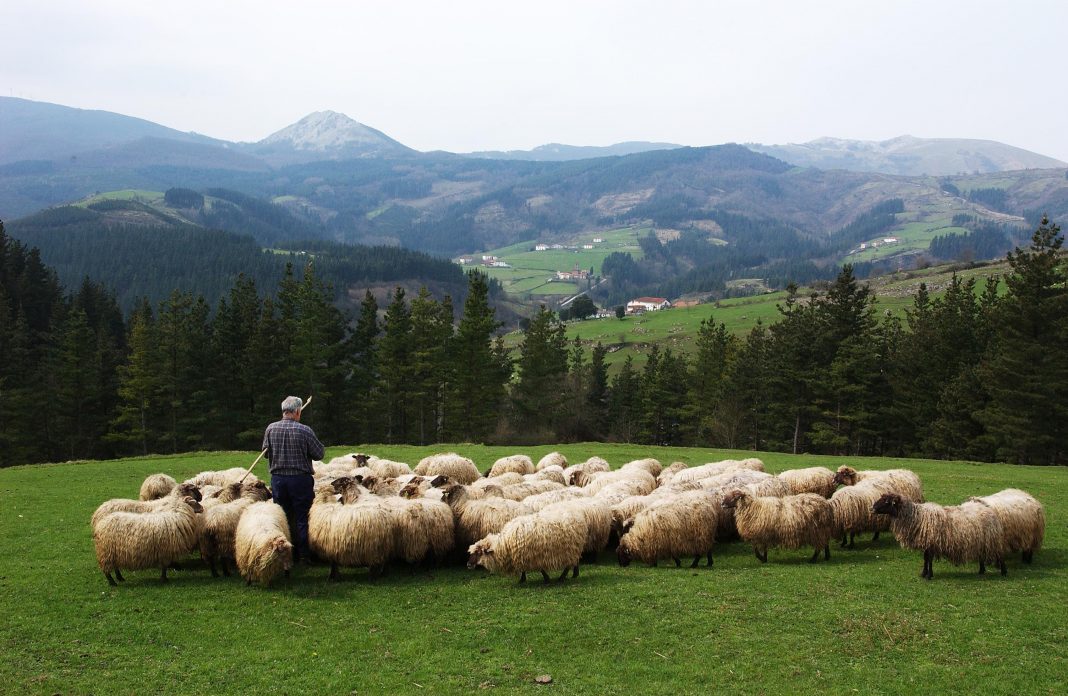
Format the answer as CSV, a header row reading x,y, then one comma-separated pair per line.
x,y
508,478
966,533
902,481
641,481
789,522
517,463
540,500
459,469
222,478
814,479
385,468
853,514
139,540
1023,519
550,473
359,535
668,473
696,473
417,527
477,518
520,491
543,541
156,486
262,544
577,474
552,459
438,519
598,518
180,491
648,464
676,526
217,538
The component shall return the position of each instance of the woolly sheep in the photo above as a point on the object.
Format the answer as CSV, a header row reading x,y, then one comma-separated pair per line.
x,y
359,535
262,545
552,459
696,473
156,486
963,533
217,538
900,481
518,463
538,501
420,528
180,491
789,522
598,517
814,479
508,478
543,541
669,472
642,481
650,465
519,491
1023,520
222,478
477,518
577,474
550,473
139,540
682,525
851,507
384,468
459,469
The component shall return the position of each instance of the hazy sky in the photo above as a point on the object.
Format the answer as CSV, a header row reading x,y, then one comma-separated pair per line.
x,y
461,76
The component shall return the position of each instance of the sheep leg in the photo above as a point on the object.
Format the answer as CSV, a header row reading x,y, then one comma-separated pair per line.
x,y
211,566
852,536
225,565
523,577
815,556
709,559
982,568
928,562
762,557
111,580
248,582
574,572
334,574
842,542
118,575
563,575
696,560
826,552
1027,556
1004,569
875,537
545,576
678,563
163,574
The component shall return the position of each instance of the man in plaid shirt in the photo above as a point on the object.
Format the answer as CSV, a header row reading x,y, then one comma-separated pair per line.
x,y
291,446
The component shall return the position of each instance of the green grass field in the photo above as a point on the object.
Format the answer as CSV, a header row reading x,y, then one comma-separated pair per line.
x,y
864,622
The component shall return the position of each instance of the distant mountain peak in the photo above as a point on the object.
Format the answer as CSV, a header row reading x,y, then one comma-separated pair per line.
x,y
330,131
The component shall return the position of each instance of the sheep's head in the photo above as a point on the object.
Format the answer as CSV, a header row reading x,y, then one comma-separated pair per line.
x,y
455,494
361,459
887,504
193,503
730,500
580,479
410,490
623,552
341,483
845,476
282,547
191,490
480,553
257,490
439,481
232,490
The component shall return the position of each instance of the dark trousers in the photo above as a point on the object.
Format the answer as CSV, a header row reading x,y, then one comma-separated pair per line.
x,y
295,494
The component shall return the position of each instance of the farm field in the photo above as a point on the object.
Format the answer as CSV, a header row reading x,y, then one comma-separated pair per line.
x,y
863,622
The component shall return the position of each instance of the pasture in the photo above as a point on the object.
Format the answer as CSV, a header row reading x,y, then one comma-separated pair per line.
x,y
862,622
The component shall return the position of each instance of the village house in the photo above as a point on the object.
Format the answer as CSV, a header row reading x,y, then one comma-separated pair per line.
x,y
541,247
647,304
575,274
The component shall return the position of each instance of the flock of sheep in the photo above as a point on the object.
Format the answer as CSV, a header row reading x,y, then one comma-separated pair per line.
x,y
522,518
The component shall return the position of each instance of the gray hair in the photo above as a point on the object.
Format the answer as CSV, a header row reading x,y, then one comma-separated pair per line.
x,y
292,404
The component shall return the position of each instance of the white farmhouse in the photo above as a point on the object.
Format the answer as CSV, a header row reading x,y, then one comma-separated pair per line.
x,y
647,304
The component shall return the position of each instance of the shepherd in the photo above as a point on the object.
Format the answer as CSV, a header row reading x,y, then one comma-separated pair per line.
x,y
290,447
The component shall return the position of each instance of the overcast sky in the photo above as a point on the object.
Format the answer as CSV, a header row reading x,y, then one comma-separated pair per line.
x,y
462,76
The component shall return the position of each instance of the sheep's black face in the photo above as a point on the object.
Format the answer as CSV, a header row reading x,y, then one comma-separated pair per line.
x,y
887,504
623,555
188,489
439,481
361,459
845,477
731,500
340,484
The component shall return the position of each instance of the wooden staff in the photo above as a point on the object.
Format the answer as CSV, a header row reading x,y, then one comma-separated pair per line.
x,y
264,452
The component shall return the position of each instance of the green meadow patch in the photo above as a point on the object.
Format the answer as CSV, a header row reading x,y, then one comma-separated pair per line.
x,y
864,622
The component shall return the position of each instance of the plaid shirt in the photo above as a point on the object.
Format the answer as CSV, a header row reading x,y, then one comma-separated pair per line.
x,y
291,446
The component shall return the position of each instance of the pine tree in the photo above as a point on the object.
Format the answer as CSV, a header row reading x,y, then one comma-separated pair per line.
x,y
624,403
542,372
742,419
597,395
708,374
431,330
362,386
480,368
395,369
140,387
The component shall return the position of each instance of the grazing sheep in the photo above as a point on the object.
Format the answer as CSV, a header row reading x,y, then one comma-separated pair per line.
x,y
422,483
359,535
438,520
544,541
519,491
180,491
384,468
963,533
262,545
217,537
509,478
221,478
639,480
900,481
591,466
696,473
538,501
550,473
668,473
518,463
598,517
1022,518
459,469
477,518
418,526
156,486
790,522
772,486
853,514
552,459
682,525
139,540
814,479
650,465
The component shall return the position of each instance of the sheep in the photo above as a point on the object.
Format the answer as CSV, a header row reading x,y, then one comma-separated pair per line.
x,y
384,487
790,522
588,467
439,522
669,472
509,478
682,525
263,547
519,463
853,514
641,480
552,459
900,481
384,468
217,537
229,493
550,473
126,505
477,518
338,466
1023,520
139,540
598,518
421,484
696,473
519,491
814,479
222,478
543,541
538,501
650,465
963,533
459,469
156,486
351,535
772,486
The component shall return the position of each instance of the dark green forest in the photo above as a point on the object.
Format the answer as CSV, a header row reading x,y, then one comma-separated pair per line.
x,y
969,374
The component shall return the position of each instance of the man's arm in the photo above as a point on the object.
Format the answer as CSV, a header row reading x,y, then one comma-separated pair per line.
x,y
267,443
315,448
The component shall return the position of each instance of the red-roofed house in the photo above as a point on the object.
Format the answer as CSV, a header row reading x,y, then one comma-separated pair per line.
x,y
647,304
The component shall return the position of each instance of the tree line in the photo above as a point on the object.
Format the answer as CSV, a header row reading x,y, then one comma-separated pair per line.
x,y
974,373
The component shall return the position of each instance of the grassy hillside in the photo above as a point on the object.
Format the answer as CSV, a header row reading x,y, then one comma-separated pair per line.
x,y
862,622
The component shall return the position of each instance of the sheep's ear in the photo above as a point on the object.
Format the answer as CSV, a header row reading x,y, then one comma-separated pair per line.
x,y
627,525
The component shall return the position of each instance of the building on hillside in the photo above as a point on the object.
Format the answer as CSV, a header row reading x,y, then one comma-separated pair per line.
x,y
647,304
541,247
587,246
598,240
465,260
574,274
